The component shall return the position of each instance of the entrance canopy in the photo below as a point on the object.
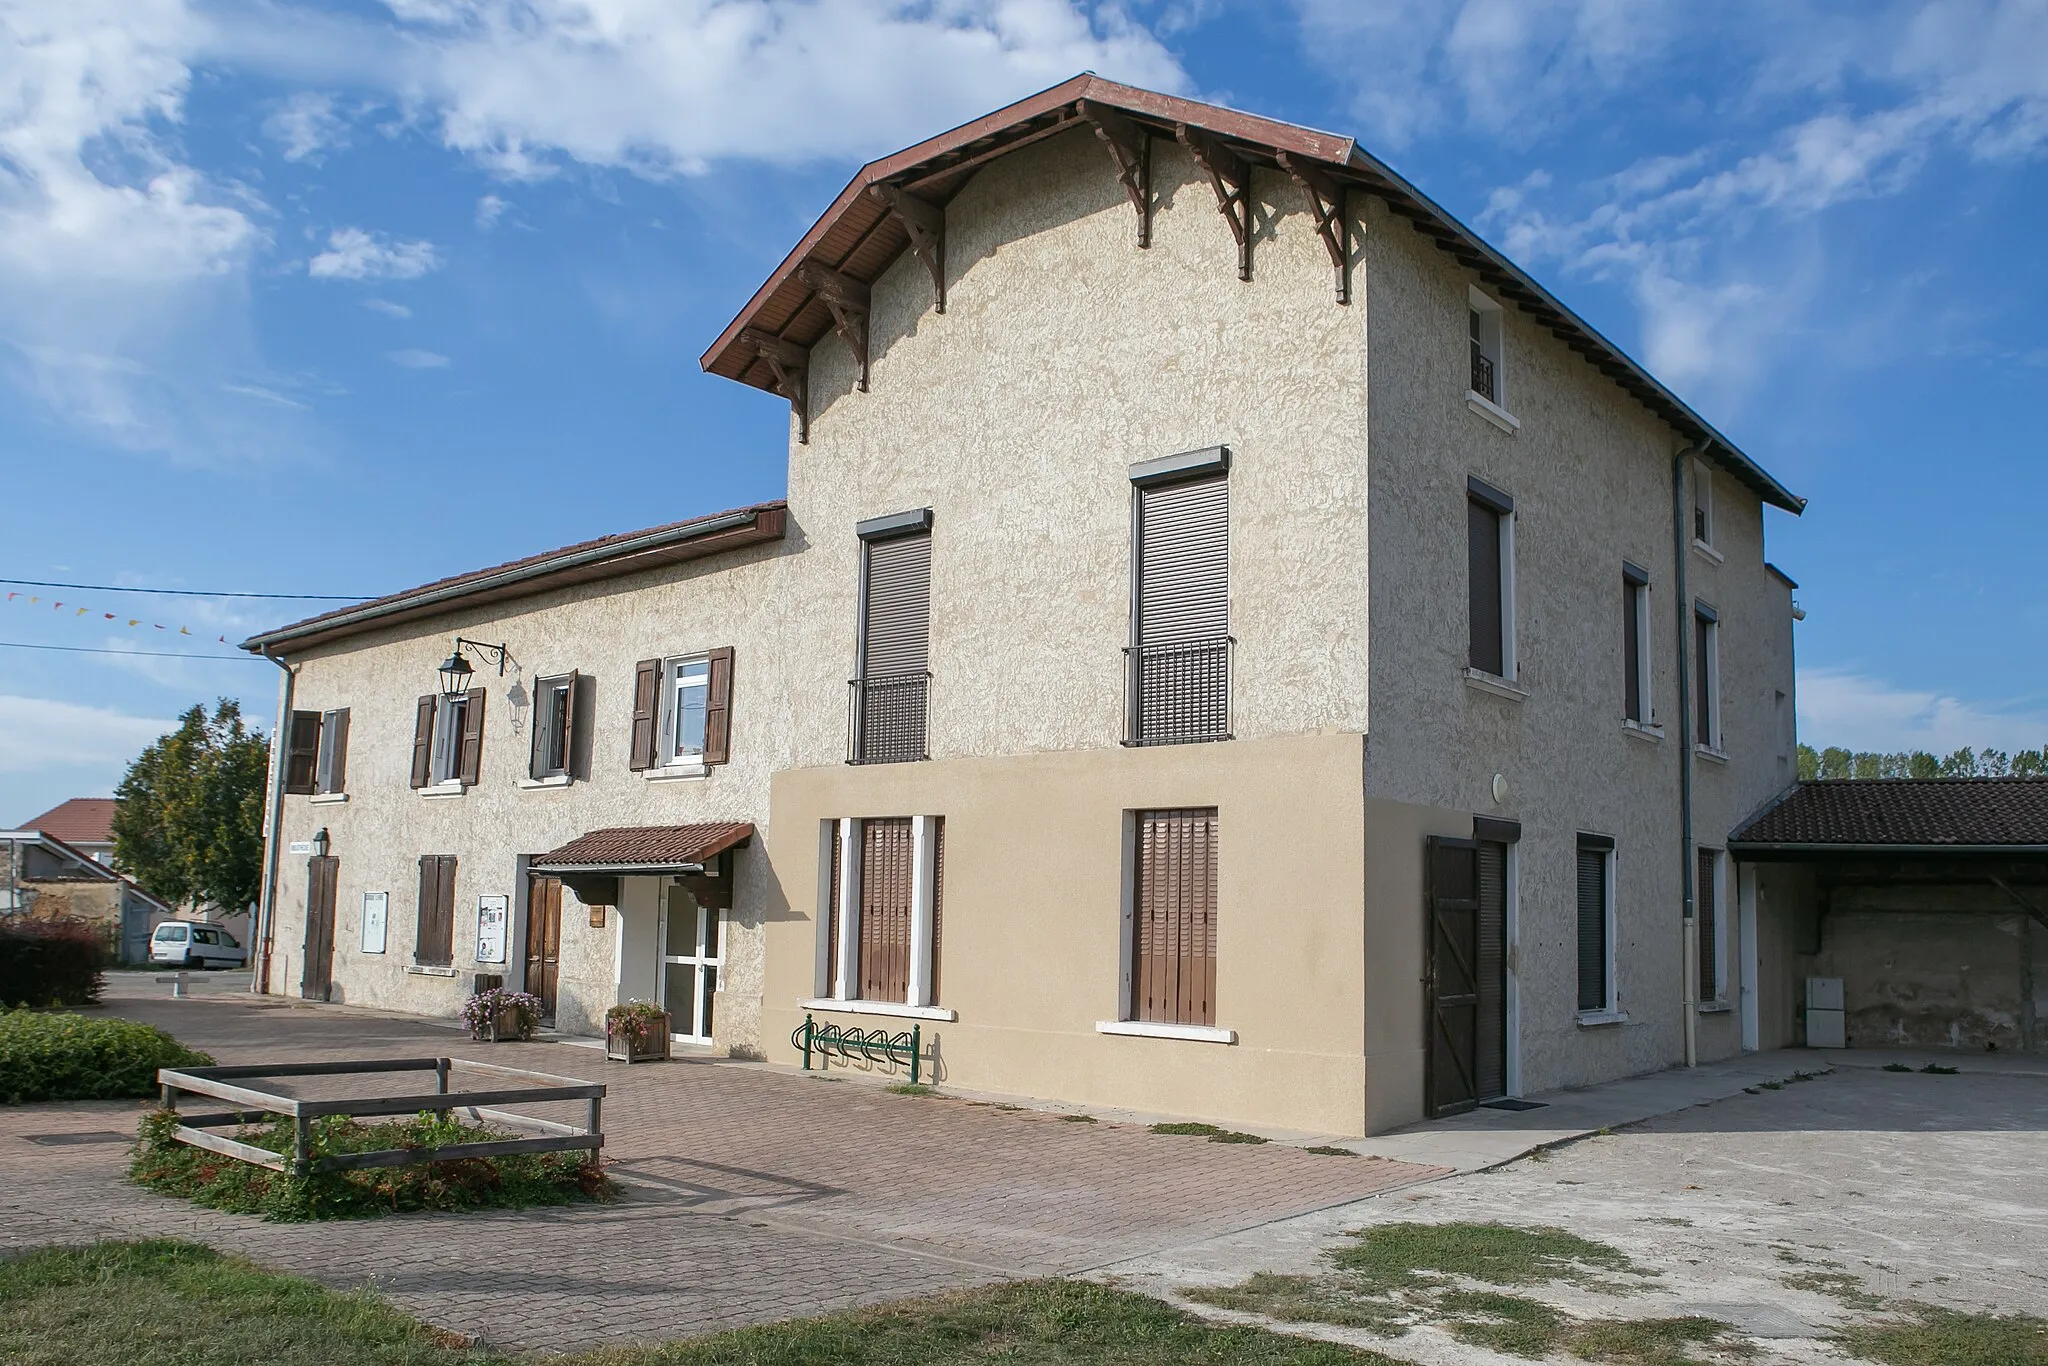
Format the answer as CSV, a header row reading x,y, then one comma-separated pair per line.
x,y
592,864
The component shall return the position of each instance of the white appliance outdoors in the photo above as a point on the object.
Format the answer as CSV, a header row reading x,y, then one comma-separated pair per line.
x,y
1825,1024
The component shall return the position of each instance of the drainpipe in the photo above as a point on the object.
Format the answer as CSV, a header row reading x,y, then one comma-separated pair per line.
x,y
273,821
1681,537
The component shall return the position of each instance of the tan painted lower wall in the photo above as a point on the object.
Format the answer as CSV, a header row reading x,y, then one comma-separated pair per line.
x,y
1032,907
1394,1020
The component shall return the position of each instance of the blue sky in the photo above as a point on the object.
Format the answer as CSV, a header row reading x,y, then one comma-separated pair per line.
x,y
339,298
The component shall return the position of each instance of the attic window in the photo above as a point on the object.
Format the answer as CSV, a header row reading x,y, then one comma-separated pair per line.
x,y
1489,375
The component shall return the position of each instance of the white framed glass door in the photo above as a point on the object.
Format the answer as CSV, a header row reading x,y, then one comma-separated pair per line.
x,y
690,948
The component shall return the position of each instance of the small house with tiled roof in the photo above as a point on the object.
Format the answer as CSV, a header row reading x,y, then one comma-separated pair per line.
x,y
84,823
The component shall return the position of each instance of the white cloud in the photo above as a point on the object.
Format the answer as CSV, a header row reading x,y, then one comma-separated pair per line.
x,y
412,358
353,254
263,395
305,124
488,210
37,733
1858,712
387,308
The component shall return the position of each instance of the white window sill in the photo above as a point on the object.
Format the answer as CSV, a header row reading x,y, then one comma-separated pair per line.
x,y
1492,412
675,773
444,790
1709,752
1715,1007
1653,734
327,799
1594,1019
1495,684
425,970
1703,548
892,1008
553,780
1146,1029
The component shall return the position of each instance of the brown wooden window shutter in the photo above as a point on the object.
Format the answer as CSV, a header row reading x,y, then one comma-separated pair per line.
x,y
471,761
333,776
569,697
302,753
1174,953
646,691
434,935
423,741
885,887
718,707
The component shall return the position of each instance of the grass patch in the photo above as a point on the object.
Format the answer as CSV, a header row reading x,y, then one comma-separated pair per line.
x,y
79,1057
1950,1337
1208,1131
165,1302
1503,1323
911,1088
1325,1150
1836,1285
1308,1299
1651,1342
1937,1070
1408,1256
1896,1067
168,1167
1078,1119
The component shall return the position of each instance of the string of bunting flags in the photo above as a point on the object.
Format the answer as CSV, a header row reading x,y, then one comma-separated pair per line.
x,y
58,605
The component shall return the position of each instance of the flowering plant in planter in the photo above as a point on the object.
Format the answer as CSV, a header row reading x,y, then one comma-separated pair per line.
x,y
499,1013
635,1030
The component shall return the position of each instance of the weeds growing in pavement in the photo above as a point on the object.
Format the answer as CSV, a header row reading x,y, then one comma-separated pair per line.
x,y
1208,1131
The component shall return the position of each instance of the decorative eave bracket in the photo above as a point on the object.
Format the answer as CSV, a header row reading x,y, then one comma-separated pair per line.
x,y
925,222
1231,178
1326,204
792,366
1130,147
848,299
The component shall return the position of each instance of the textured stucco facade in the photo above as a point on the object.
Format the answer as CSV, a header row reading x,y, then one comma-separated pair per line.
x,y
1065,355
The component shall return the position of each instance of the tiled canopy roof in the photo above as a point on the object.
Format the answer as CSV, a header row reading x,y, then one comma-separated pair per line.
x,y
626,847
82,820
1938,813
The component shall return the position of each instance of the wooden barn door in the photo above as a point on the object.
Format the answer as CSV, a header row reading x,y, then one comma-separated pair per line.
x,y
318,979
544,940
1451,975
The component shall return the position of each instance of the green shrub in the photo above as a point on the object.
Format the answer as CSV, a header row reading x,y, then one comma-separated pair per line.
x,y
50,963
75,1057
164,1165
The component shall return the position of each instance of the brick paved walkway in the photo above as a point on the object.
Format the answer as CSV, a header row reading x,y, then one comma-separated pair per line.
x,y
754,1194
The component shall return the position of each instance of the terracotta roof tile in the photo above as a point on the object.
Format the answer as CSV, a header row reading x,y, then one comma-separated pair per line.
x,y
87,820
653,846
1905,812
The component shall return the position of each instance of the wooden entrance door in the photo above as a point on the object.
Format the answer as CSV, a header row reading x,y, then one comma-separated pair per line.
x,y
317,979
544,940
1451,975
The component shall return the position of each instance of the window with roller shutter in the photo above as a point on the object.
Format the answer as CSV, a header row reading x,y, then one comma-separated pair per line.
x,y
1179,671
892,669
1596,924
1173,893
1707,920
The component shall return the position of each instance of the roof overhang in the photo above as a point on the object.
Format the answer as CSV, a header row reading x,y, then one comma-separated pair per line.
x,y
1756,851
644,851
862,234
607,558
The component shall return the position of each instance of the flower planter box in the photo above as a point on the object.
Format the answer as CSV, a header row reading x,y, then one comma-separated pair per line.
x,y
652,1046
501,1028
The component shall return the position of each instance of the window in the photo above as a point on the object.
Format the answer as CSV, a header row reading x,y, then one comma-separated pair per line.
x,y
316,752
1177,678
448,740
1488,373
1635,644
891,661
434,935
682,712
1702,504
1490,526
883,930
554,727
1706,632
1173,917
1707,917
171,933
1596,925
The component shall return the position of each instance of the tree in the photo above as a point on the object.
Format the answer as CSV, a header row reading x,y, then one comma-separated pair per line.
x,y
1835,762
189,826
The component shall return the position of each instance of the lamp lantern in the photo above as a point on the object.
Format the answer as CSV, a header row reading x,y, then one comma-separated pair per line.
x,y
455,674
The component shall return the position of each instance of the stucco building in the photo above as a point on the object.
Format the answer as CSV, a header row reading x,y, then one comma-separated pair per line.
x,y
1234,646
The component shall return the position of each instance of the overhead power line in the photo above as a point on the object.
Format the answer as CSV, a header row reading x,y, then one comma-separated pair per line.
x,y
189,592
146,654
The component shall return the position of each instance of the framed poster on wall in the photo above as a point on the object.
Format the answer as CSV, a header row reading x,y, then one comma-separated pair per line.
x,y
493,914
376,905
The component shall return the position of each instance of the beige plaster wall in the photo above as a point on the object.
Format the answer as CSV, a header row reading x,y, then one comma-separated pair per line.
x,y
1589,470
1030,948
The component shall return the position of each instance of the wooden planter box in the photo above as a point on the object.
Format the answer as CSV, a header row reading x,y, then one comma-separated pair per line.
x,y
503,1029
619,1047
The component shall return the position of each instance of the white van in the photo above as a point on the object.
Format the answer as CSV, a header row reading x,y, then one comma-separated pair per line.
x,y
193,945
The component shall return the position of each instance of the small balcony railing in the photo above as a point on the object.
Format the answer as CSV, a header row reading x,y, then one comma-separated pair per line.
x,y
886,718
1482,375
1178,693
